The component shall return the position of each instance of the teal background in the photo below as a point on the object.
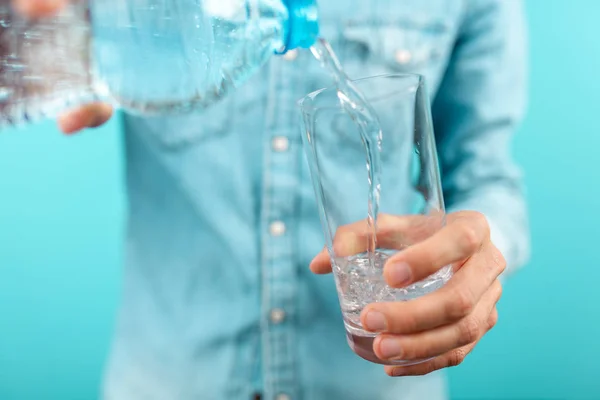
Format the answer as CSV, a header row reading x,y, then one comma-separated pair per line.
x,y
62,214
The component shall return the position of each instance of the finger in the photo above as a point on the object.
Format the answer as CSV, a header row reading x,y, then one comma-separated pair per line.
x,y
38,8
446,305
439,341
399,232
493,318
349,240
453,243
321,264
88,116
450,359
393,232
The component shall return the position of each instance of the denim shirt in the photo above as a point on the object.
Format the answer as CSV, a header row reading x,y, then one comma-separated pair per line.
x,y
218,301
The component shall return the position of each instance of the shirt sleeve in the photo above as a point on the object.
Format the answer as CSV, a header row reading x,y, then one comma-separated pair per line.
x,y
477,109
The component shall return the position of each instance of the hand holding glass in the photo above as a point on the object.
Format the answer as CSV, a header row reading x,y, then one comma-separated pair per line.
x,y
411,206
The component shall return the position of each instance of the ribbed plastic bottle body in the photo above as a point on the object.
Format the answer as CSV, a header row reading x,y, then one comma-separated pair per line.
x,y
145,56
44,65
174,56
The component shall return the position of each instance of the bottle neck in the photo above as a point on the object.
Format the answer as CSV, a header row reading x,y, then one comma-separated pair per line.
x,y
302,27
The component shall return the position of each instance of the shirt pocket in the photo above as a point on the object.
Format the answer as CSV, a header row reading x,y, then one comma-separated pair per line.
x,y
181,131
233,112
383,45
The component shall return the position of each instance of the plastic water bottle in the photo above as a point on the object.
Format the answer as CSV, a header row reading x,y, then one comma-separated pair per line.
x,y
144,56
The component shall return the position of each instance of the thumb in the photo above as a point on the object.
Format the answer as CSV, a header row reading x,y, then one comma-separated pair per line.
x,y
88,116
453,243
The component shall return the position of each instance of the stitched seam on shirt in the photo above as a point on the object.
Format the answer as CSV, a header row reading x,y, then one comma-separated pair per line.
x,y
265,295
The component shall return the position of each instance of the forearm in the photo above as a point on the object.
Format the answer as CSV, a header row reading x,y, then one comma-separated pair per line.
x,y
476,113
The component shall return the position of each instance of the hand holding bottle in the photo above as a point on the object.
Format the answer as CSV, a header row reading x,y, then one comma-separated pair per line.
x,y
150,60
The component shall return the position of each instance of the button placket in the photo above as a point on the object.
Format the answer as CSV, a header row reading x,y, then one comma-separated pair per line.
x,y
279,276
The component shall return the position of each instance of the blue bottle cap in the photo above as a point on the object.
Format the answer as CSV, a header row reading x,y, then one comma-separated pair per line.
x,y
302,27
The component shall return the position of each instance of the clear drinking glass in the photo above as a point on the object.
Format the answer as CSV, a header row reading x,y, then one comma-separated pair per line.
x,y
411,207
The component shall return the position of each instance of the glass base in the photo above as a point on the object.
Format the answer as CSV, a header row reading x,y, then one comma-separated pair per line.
x,y
363,347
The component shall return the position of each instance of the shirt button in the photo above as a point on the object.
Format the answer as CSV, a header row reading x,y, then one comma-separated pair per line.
x,y
403,56
282,396
277,315
290,55
280,143
277,228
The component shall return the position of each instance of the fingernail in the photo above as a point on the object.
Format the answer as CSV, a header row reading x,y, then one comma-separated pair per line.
x,y
390,348
398,371
375,321
399,274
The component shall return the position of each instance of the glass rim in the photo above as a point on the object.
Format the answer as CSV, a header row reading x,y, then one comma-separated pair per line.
x,y
303,105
